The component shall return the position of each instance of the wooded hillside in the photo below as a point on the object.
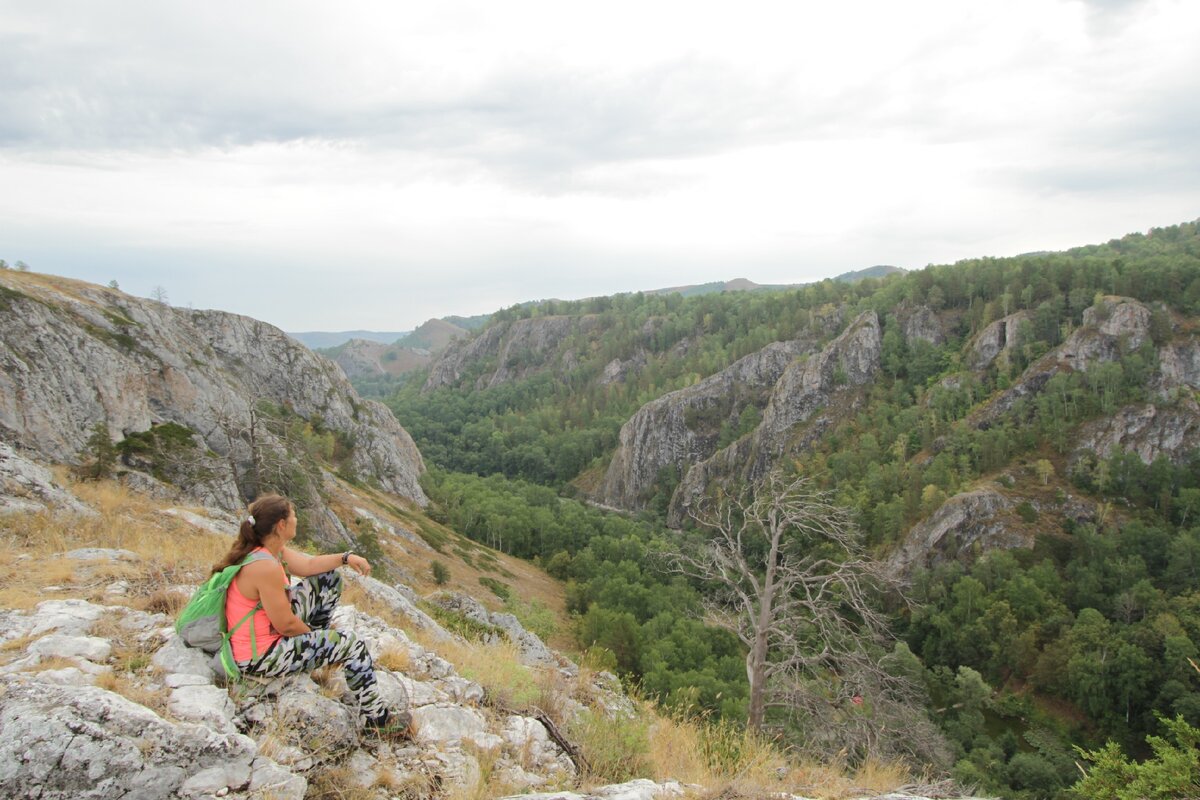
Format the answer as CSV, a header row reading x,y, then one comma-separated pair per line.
x,y
1017,437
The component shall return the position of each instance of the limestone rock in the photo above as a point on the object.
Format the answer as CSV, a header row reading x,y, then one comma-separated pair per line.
x,y
205,704
60,645
270,780
448,724
176,658
1123,327
1179,365
1001,336
519,349
1147,430
532,651
920,323
675,430
852,359
311,716
964,523
399,602
28,486
617,370
71,617
73,355
213,521
83,742
798,398
101,554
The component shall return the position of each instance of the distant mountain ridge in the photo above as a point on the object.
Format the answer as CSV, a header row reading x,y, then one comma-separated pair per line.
x,y
373,360
746,285
320,339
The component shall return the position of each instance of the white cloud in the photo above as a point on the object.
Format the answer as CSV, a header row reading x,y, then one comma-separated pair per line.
x,y
481,154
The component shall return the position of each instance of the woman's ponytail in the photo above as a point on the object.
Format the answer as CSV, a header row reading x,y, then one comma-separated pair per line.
x,y
264,514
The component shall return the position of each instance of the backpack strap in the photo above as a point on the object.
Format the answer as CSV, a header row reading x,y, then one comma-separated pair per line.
x,y
253,555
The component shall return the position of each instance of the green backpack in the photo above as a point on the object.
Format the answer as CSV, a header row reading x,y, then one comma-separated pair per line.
x,y
202,622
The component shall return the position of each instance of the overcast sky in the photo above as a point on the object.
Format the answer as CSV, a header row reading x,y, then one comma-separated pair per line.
x,y
373,164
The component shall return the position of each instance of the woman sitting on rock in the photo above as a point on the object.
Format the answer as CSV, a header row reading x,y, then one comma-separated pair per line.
x,y
289,631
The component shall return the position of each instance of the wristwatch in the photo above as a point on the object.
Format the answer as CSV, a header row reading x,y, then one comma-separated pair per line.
x,y
346,557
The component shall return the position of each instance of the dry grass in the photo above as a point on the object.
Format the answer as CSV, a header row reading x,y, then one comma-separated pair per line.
x,y
168,550
337,783
394,660
722,756
154,699
18,645
415,558
497,668
53,662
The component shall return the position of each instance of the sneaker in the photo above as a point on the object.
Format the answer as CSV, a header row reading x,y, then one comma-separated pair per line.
x,y
394,725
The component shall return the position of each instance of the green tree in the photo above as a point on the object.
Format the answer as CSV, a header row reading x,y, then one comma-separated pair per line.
x,y
101,453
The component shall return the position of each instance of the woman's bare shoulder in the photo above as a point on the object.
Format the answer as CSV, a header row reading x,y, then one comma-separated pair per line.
x,y
263,569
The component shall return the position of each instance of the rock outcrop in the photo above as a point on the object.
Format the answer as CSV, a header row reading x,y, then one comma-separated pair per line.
x,y
1001,336
1122,327
804,389
920,323
363,358
966,524
1149,431
851,359
510,351
681,428
70,732
67,737
29,486
73,355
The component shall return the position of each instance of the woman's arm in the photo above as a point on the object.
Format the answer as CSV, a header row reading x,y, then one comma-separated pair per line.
x,y
265,579
303,565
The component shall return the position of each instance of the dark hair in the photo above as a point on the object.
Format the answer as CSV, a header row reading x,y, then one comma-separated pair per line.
x,y
266,511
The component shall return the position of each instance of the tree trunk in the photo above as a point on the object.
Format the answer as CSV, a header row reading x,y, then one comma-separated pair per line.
x,y
756,673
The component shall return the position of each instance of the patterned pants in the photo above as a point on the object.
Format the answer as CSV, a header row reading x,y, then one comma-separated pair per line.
x,y
313,601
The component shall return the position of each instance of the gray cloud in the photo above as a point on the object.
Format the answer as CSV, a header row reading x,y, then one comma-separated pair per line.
x,y
529,121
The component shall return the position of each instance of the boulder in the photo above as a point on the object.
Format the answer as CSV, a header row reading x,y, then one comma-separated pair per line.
x,y
28,486
81,742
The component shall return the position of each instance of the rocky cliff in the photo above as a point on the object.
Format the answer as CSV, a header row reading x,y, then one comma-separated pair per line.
x,y
810,394
510,351
73,355
1114,328
362,358
369,358
966,525
978,520
681,428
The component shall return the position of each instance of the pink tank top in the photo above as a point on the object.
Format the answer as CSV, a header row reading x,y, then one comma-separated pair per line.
x,y
237,606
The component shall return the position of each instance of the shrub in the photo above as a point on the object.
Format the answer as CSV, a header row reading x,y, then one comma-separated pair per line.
x,y
441,574
617,749
499,589
1172,772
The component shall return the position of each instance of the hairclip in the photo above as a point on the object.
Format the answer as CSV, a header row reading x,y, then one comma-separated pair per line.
x,y
250,519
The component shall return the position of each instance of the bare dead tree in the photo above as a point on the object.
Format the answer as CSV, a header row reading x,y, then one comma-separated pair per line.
x,y
791,580
258,456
